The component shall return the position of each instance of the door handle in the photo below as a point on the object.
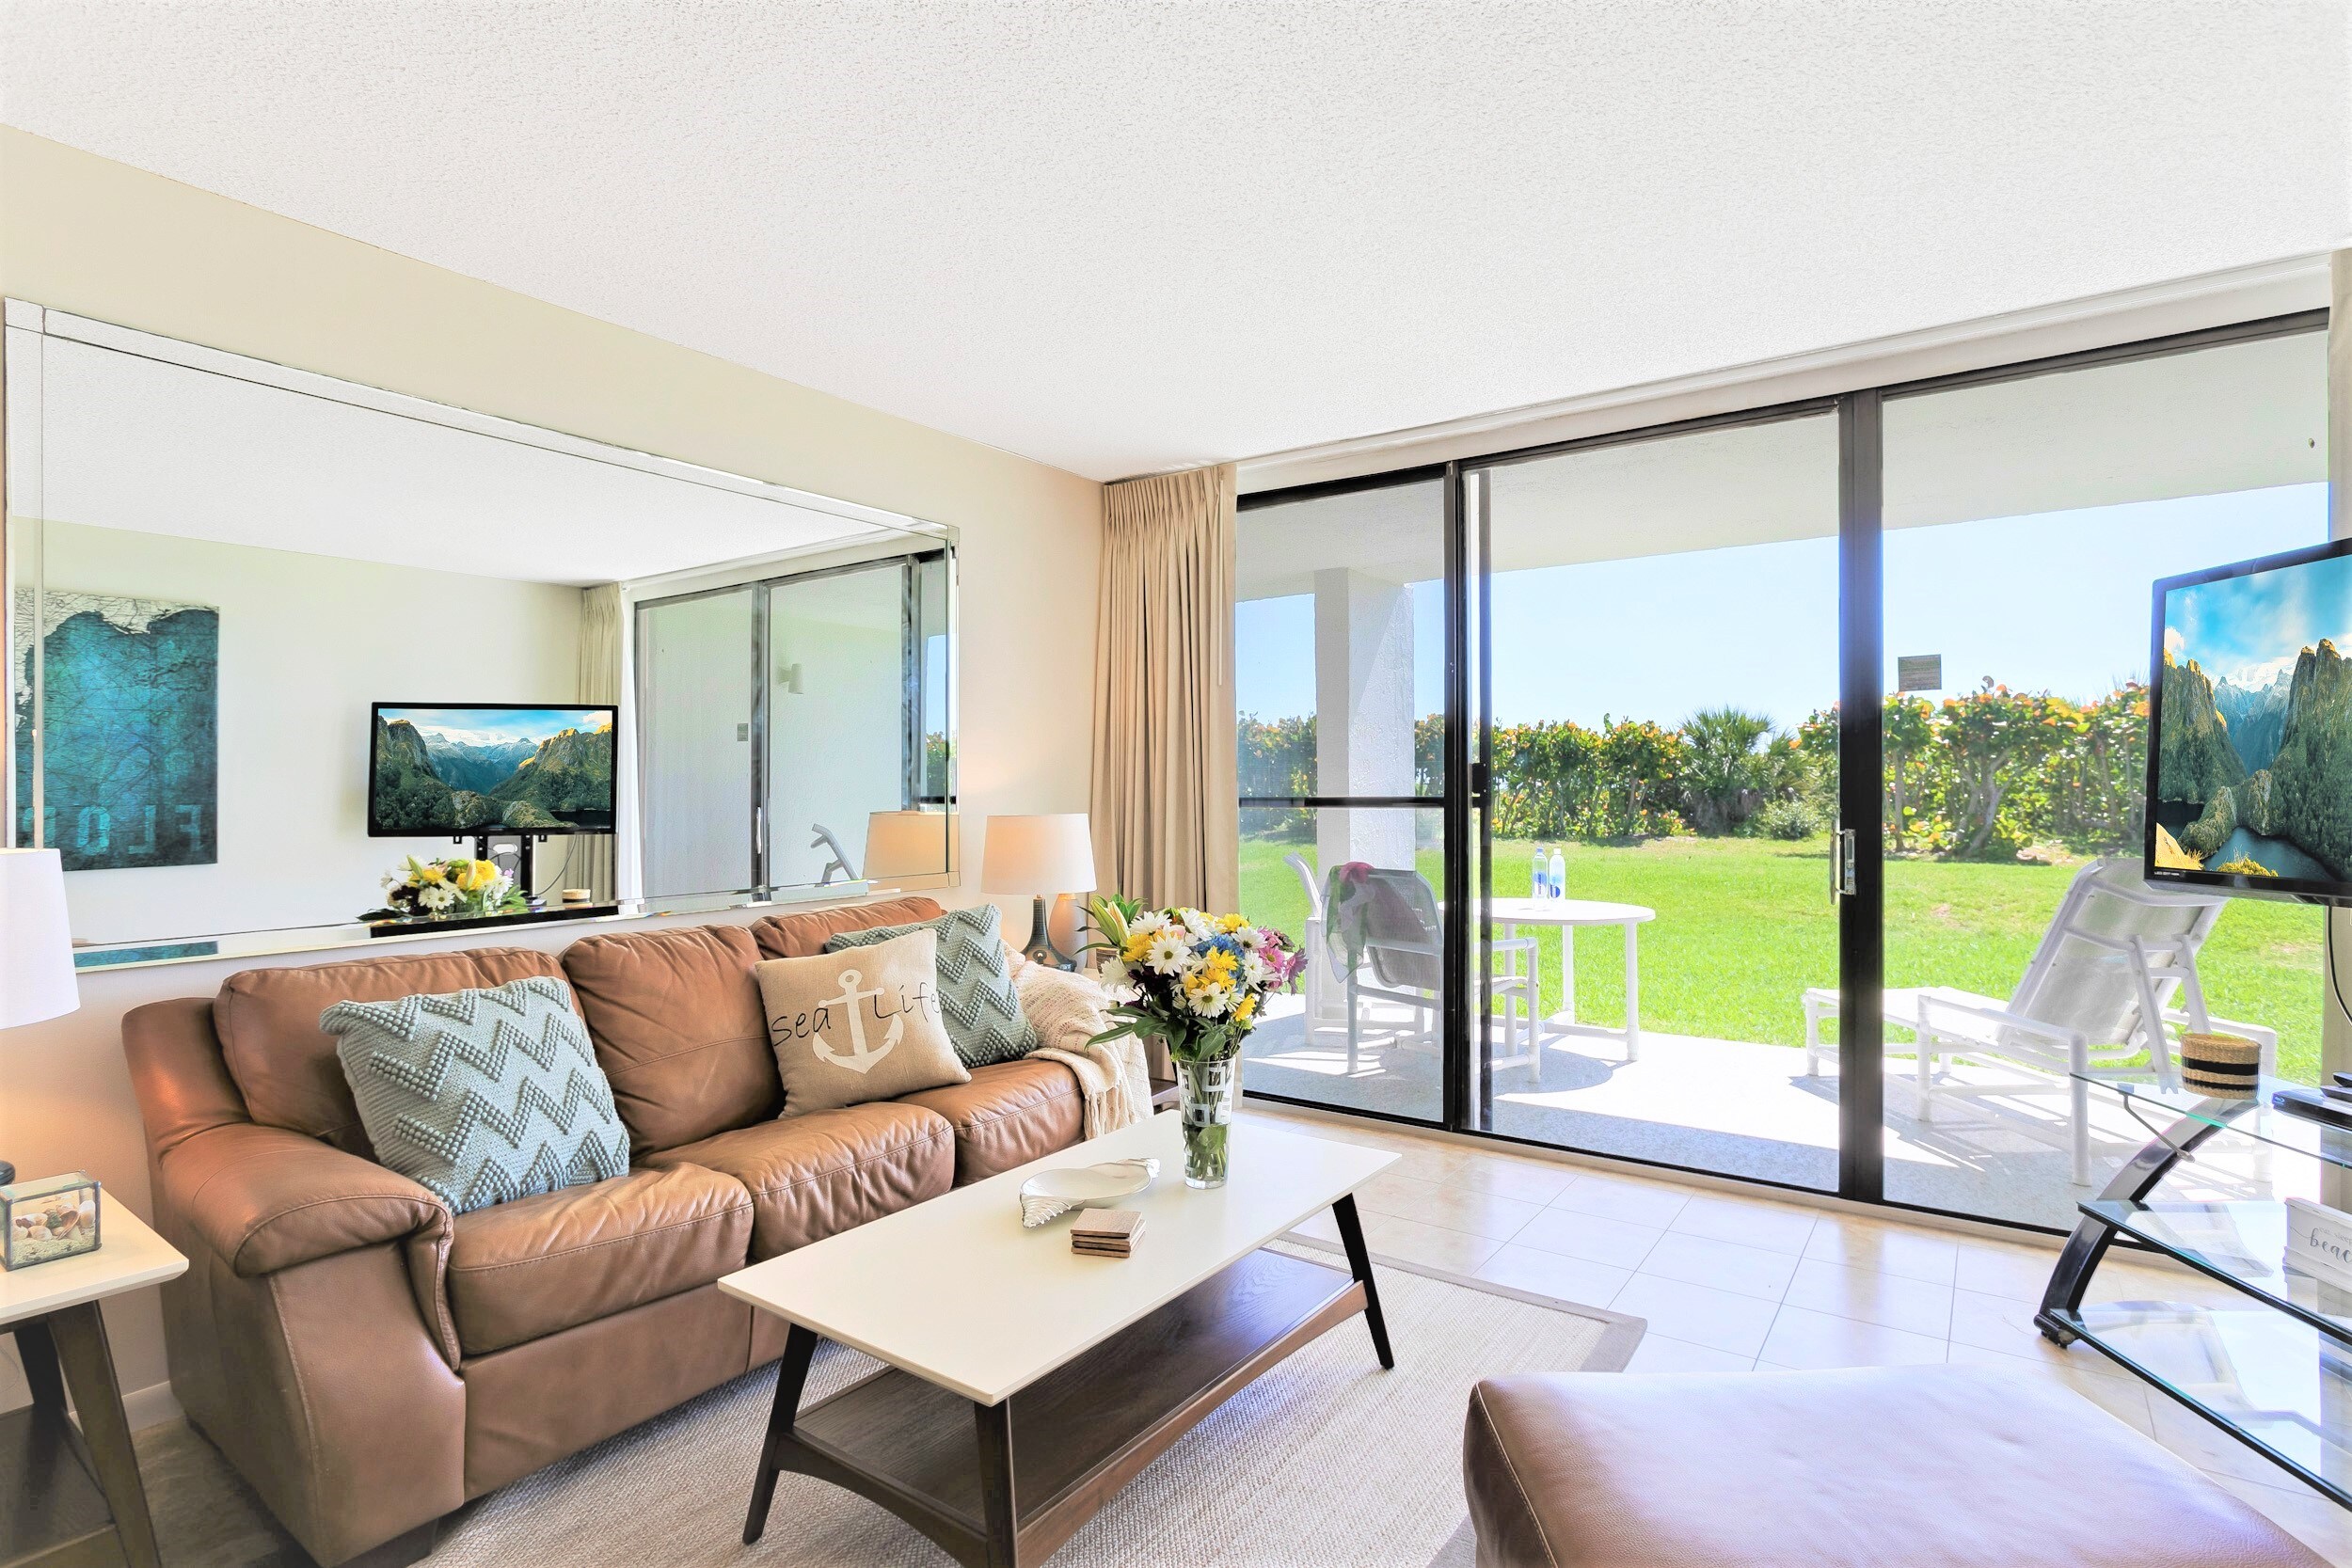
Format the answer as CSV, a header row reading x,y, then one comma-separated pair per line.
x,y
1842,851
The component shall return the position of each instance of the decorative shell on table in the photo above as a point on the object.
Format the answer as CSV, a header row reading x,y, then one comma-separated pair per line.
x,y
1052,1194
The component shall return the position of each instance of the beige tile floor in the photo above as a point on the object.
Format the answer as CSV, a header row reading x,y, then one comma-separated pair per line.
x,y
1735,1283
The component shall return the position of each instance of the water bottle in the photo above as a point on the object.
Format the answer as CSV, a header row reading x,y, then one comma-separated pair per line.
x,y
1538,873
1559,878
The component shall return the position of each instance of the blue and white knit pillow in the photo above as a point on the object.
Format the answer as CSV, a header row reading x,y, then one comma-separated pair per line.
x,y
482,1096
977,998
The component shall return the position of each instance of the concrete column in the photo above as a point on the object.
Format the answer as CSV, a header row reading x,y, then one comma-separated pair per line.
x,y
2335,1036
1363,714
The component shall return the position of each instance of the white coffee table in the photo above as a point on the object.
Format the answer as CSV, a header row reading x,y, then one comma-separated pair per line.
x,y
1027,1384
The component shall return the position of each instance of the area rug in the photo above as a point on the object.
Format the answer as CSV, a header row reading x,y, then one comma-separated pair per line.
x,y
1325,1461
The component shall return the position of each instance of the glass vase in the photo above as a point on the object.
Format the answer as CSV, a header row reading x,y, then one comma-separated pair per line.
x,y
1206,1090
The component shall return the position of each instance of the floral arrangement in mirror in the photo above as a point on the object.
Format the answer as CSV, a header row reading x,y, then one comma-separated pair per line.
x,y
451,890
52,1218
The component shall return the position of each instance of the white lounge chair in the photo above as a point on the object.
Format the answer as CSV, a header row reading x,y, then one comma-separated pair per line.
x,y
2099,993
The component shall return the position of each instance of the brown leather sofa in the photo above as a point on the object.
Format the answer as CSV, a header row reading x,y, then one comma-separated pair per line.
x,y
369,1361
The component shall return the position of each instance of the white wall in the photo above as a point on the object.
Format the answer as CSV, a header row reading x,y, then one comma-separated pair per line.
x,y
307,642
98,238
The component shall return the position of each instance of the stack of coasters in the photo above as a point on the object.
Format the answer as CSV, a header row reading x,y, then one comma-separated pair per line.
x,y
1105,1232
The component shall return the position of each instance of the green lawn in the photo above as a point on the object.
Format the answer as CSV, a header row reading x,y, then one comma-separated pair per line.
x,y
1744,926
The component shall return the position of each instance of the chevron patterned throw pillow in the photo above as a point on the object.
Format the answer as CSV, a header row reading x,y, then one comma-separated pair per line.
x,y
976,999
482,1096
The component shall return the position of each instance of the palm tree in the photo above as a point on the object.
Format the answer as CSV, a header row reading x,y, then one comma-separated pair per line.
x,y
1726,763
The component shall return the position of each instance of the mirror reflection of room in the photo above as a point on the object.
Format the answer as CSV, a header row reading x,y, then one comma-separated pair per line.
x,y
298,662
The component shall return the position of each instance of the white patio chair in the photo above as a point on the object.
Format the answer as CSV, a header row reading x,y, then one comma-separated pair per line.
x,y
1404,940
1310,938
2098,994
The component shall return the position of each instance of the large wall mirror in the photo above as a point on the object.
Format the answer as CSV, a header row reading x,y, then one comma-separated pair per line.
x,y
273,635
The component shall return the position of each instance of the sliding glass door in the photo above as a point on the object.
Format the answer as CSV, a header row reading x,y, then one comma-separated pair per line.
x,y
1340,644
1660,665
1757,790
2024,520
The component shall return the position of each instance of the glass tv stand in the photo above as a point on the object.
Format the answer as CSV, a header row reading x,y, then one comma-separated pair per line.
x,y
2274,1374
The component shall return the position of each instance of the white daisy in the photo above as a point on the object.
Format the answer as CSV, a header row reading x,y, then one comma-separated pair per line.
x,y
1167,954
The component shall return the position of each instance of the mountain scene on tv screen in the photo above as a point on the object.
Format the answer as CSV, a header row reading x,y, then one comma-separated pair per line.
x,y
452,770
2254,744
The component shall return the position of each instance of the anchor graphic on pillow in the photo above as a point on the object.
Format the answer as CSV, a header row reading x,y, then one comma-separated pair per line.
x,y
858,1058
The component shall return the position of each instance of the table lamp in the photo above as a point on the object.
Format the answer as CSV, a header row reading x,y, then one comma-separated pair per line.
x,y
35,948
1052,854
910,843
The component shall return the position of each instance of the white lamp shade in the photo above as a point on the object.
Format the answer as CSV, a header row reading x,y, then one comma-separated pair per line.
x,y
36,946
909,843
1039,854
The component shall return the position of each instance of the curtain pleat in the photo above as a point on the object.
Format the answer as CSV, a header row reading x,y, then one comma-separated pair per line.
x,y
1167,825
600,682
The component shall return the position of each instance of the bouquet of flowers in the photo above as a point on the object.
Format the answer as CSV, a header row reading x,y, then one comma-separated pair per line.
x,y
451,890
1198,982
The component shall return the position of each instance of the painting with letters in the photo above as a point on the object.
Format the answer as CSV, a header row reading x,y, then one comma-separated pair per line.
x,y
129,727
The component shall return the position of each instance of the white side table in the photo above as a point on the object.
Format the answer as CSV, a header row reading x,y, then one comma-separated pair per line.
x,y
72,1495
1569,914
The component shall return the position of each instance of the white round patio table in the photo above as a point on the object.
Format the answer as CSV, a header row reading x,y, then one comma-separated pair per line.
x,y
1509,914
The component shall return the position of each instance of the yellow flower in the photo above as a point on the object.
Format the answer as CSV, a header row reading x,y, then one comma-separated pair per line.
x,y
1136,947
1247,1009
434,874
1219,963
477,875
1229,924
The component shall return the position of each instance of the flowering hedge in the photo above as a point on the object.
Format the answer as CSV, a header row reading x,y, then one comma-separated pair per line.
x,y
1984,773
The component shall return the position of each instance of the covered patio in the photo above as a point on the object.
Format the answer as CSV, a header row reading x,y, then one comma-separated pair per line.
x,y
1738,1108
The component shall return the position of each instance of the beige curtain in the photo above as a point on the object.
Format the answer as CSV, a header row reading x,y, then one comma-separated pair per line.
x,y
592,865
1167,828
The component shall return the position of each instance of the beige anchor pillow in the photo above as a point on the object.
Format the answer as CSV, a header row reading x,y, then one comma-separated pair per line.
x,y
859,1025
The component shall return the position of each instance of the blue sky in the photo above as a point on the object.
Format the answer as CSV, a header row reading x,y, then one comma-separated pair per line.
x,y
475,726
2244,622
2057,602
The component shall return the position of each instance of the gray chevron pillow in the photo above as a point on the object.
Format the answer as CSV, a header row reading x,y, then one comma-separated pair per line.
x,y
976,999
482,1096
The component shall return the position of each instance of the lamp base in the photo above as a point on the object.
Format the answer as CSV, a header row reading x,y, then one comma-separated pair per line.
x,y
1040,948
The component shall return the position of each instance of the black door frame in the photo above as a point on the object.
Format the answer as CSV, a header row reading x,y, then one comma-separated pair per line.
x,y
1860,414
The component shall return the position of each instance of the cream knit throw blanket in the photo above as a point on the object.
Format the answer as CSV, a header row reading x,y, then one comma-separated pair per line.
x,y
1066,1010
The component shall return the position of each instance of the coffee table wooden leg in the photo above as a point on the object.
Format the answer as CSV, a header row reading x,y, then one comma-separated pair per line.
x,y
1359,1263
994,1424
80,1336
791,1376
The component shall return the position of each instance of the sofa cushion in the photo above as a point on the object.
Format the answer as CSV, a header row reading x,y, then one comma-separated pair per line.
x,y
520,1269
976,992
678,1027
854,1027
811,1177
799,936
1010,1114
284,1063
481,1097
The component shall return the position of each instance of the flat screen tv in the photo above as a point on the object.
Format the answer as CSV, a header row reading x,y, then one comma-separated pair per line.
x,y
450,770
2249,738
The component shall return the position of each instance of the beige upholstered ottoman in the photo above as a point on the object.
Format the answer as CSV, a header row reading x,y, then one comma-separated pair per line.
x,y
1884,1468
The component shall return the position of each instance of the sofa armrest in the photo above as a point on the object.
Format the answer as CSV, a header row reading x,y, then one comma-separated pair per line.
x,y
266,1198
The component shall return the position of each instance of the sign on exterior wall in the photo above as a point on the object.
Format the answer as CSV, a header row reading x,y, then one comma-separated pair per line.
x,y
1919,673
129,727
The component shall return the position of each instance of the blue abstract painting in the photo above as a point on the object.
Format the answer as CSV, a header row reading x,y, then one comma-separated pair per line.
x,y
130,729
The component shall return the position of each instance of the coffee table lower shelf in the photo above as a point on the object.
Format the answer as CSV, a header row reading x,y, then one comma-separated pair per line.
x,y
998,1487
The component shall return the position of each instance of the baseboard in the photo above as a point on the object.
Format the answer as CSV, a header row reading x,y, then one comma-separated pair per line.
x,y
151,1406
